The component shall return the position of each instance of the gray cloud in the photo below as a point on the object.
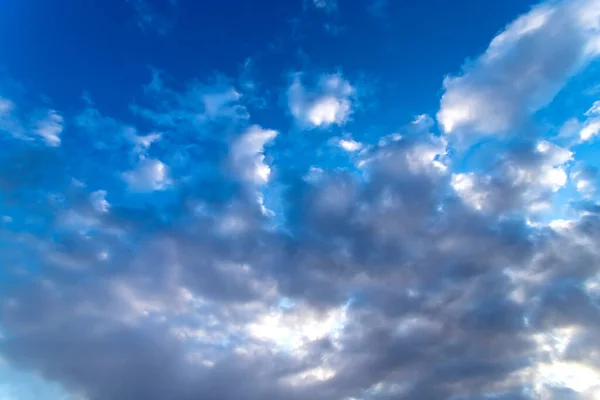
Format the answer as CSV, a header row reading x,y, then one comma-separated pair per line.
x,y
442,301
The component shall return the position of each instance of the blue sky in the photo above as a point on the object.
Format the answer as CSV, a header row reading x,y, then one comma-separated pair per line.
x,y
313,199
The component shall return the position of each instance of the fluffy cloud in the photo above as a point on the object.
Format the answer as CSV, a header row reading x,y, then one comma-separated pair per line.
x,y
247,154
526,177
349,144
98,200
149,175
315,312
522,69
392,275
329,102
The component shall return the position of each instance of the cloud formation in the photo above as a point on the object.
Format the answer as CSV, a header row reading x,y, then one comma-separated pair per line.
x,y
247,154
148,175
139,261
46,125
522,70
524,178
328,103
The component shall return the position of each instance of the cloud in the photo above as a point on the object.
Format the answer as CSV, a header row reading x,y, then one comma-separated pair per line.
x,y
328,103
98,200
523,68
44,124
102,132
400,273
149,175
381,286
9,123
327,6
583,131
525,177
198,104
349,144
50,128
590,127
159,16
247,155
585,178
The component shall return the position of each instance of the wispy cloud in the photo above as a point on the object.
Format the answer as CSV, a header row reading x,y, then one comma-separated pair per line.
x,y
328,6
50,128
159,16
46,125
200,103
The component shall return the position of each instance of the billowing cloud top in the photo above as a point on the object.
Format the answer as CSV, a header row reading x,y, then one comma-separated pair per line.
x,y
216,227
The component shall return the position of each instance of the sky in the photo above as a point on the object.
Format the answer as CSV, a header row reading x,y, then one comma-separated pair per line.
x,y
299,200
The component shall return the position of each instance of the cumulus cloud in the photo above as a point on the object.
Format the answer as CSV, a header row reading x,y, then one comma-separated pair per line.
x,y
522,69
396,276
316,312
247,154
525,177
349,144
149,175
328,103
381,286
99,202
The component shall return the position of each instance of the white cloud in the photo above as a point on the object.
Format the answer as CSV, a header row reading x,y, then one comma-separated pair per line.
x,y
215,103
584,130
50,128
142,143
294,328
522,69
45,124
328,103
148,176
591,127
522,179
585,179
247,154
198,104
350,145
99,202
